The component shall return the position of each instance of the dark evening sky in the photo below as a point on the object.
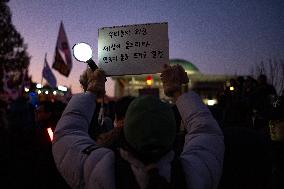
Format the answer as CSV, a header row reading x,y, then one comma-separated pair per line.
x,y
218,36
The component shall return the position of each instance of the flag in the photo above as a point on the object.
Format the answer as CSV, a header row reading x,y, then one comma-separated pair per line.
x,y
62,58
48,75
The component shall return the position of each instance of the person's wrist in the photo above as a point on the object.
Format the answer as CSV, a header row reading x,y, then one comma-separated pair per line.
x,y
184,88
176,95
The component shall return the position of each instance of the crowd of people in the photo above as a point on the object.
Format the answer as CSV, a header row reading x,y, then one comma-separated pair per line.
x,y
26,153
245,102
143,142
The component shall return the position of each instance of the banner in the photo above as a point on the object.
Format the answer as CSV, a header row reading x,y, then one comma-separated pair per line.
x,y
48,75
62,58
133,49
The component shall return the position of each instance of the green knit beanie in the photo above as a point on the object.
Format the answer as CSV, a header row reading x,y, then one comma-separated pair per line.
x,y
150,126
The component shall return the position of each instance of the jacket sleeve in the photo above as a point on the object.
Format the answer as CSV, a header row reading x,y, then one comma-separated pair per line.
x,y
202,156
71,139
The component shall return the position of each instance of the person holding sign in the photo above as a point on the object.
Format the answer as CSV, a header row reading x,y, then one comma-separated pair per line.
x,y
145,158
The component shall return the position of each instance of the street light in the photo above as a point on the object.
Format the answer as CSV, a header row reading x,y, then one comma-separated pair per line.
x,y
83,53
211,102
38,85
62,88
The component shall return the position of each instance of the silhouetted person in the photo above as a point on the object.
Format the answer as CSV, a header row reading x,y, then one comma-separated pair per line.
x,y
20,118
276,125
112,138
266,88
47,115
5,144
261,99
235,113
246,162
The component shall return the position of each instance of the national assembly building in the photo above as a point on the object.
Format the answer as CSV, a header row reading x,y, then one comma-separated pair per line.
x,y
207,86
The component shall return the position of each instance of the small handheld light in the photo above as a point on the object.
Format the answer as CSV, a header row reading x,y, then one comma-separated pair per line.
x,y
83,53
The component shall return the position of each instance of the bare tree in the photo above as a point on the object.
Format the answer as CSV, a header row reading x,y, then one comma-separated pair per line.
x,y
274,70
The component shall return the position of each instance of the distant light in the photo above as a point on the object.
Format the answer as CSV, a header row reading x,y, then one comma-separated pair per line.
x,y
46,92
211,102
32,94
39,91
82,52
62,88
50,133
38,86
232,88
54,92
26,89
149,80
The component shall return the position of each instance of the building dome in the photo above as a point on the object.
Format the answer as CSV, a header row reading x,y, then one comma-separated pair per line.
x,y
188,66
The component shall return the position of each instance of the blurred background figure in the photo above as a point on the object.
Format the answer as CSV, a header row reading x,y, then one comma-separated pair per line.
x,y
5,143
21,124
261,103
246,161
112,138
276,126
47,115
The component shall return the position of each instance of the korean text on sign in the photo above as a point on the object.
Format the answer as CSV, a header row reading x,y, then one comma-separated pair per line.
x,y
133,49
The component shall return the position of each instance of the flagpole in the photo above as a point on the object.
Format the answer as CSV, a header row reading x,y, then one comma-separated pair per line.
x,y
41,80
42,69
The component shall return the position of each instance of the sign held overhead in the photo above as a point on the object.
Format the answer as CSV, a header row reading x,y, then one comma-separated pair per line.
x,y
133,49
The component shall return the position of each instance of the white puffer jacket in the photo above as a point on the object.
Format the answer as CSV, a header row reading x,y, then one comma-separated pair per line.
x,y
201,159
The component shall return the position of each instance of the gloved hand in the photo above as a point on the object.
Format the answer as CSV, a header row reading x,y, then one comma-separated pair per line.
x,y
94,81
173,77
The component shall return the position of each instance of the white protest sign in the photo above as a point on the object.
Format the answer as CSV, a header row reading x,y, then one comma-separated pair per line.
x,y
133,49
